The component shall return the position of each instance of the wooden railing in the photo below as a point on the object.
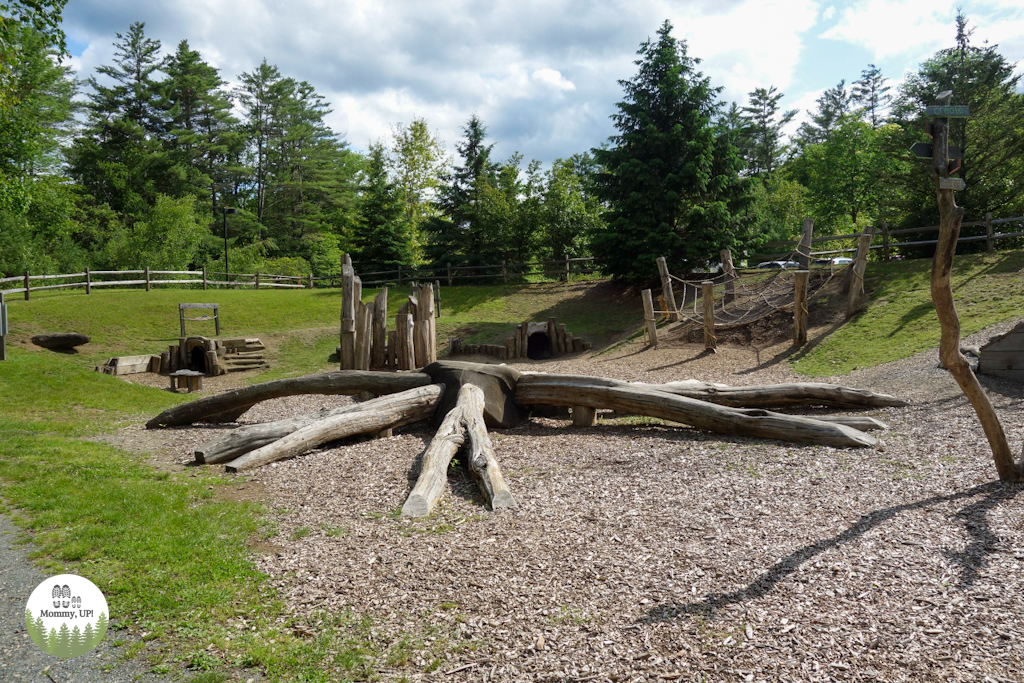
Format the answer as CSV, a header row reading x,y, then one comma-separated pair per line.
x,y
504,272
148,278
883,237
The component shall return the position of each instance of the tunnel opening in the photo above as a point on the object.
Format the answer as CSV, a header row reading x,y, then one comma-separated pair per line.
x,y
538,346
197,359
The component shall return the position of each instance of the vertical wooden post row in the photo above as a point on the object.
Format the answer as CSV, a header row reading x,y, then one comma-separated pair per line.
x,y
666,290
347,352
708,299
380,335
859,266
652,326
800,308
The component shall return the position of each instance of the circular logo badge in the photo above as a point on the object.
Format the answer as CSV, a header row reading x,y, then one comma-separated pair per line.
x,y
66,615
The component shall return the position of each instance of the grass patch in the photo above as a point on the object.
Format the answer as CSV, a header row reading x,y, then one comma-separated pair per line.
x,y
900,318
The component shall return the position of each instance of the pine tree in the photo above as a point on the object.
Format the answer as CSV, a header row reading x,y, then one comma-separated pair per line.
x,y
88,637
833,105
101,629
670,176
77,642
53,643
383,240
872,94
261,96
63,642
763,130
417,160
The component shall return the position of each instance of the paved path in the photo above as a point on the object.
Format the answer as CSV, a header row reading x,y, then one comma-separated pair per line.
x,y
20,659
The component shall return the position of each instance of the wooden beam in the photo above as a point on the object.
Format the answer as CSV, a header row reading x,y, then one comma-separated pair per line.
x,y
666,290
800,308
860,264
708,298
652,324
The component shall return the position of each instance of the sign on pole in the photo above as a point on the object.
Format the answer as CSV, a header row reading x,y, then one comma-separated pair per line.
x,y
924,150
952,184
948,111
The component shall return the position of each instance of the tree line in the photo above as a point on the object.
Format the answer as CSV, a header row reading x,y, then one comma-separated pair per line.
x,y
144,170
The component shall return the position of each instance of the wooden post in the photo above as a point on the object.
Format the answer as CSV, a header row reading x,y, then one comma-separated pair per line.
x,y
730,275
399,273
348,316
449,273
804,250
666,290
26,285
859,266
800,308
380,335
88,281
310,286
566,267
652,326
3,328
364,333
406,351
257,279
426,313
708,298
204,278
885,241
553,337
392,350
146,271
583,416
950,219
437,298
504,272
988,231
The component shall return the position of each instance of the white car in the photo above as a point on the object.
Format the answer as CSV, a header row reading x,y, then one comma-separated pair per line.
x,y
841,261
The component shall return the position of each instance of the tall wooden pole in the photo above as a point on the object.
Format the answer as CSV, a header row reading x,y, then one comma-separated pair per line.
x,y
708,298
800,308
666,290
730,276
652,326
860,264
805,244
348,315
950,218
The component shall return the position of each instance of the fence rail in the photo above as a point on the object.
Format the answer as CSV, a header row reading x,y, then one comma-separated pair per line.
x,y
150,278
884,234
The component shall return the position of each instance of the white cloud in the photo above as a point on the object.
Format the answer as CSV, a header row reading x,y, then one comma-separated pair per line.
x,y
829,12
552,79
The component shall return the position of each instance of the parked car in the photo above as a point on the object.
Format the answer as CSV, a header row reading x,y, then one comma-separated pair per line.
x,y
841,261
778,264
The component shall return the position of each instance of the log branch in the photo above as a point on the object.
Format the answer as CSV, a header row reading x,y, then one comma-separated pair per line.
x,y
389,411
344,382
566,390
434,471
483,463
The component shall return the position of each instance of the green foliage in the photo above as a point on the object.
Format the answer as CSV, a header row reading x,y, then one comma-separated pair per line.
x,y
383,238
417,161
570,214
669,177
833,106
166,237
871,92
778,208
762,130
286,265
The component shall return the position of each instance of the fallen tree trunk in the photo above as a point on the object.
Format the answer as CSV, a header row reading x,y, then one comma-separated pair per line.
x,y
242,440
344,382
389,411
434,471
483,463
568,390
764,396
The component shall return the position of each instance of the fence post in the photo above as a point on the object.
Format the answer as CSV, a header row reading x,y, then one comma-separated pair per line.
x,y
730,276
399,273
311,280
804,250
504,272
449,273
257,279
885,241
666,290
204,278
566,267
26,285
708,299
3,328
988,231
800,308
146,271
859,266
437,298
88,282
652,327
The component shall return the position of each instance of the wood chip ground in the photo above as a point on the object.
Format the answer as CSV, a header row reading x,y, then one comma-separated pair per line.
x,y
643,551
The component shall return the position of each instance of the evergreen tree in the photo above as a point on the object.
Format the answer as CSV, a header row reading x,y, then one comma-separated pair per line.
x,y
833,105
53,643
570,217
872,94
459,200
88,637
63,648
41,16
670,177
101,629
417,160
77,643
763,131
383,240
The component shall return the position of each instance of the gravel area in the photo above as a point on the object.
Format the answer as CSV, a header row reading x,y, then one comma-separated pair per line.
x,y
642,551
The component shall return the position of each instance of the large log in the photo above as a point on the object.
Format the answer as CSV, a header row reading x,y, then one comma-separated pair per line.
x,y
569,391
331,383
434,471
498,383
388,412
763,396
241,440
482,462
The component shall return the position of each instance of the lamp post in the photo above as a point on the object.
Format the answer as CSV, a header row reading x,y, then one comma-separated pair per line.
x,y
226,269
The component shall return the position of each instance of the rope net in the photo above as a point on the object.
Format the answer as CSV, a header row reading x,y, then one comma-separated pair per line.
x,y
750,296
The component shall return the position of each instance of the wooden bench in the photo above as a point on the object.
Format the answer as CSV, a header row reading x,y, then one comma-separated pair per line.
x,y
192,380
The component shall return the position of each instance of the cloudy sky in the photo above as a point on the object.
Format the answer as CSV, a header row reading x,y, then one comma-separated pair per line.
x,y
542,75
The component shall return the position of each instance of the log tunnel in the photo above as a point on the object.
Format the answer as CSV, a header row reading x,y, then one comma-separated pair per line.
x,y
538,346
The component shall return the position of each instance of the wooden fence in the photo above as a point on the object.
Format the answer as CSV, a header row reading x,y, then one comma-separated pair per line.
x,y
883,239
505,271
148,278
